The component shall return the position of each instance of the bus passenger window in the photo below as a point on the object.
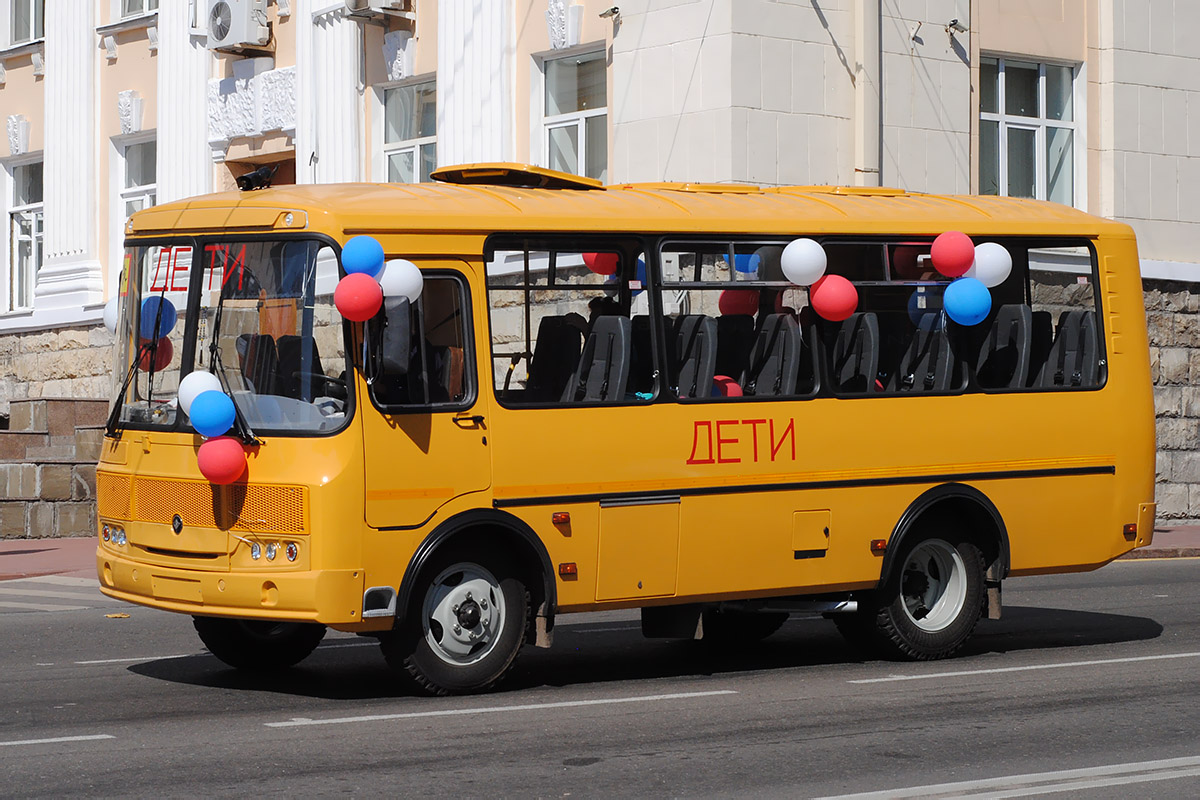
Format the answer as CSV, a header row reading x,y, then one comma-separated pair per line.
x,y
437,372
570,326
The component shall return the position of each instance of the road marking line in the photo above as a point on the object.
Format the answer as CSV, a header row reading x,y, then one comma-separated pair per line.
x,y
55,595
1068,780
58,739
455,712
40,606
1029,668
61,580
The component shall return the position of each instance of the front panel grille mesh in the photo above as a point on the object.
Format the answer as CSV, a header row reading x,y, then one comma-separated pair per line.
x,y
239,507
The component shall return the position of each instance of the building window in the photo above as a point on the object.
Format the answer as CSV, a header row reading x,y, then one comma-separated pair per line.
x,y
134,8
141,175
575,116
28,20
1027,130
25,223
410,132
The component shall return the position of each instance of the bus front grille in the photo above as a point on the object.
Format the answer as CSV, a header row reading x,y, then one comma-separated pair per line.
x,y
238,507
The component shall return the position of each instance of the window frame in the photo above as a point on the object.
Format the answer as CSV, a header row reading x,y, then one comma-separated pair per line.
x,y
541,123
1040,124
118,195
386,149
12,279
145,7
37,11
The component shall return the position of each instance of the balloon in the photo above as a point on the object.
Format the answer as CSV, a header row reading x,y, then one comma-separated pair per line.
x,y
993,263
905,265
953,253
803,262
738,301
158,310
769,268
602,263
746,263
967,301
401,278
112,310
358,297
222,460
925,300
362,254
639,274
212,413
725,386
161,355
194,384
833,298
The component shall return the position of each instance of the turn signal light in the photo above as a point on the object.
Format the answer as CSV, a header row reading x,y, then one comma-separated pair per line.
x,y
569,568
878,546
1130,530
561,517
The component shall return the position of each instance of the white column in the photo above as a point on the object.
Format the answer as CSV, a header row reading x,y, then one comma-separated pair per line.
x,y
71,274
329,94
184,64
474,81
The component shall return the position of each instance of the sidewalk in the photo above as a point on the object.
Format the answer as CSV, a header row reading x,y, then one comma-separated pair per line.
x,y
25,558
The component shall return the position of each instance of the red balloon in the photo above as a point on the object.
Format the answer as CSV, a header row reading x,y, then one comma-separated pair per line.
x,y
358,297
833,298
161,355
953,253
602,263
222,459
738,301
905,265
725,386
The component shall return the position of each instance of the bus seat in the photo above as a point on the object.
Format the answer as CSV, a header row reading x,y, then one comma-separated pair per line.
x,y
603,369
259,361
853,348
775,358
555,357
927,364
294,376
696,350
735,337
1074,360
641,356
1041,336
1002,360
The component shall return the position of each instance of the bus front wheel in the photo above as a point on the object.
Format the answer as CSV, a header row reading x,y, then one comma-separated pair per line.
x,y
465,628
258,645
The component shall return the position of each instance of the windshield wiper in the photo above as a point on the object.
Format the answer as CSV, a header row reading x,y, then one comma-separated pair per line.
x,y
113,427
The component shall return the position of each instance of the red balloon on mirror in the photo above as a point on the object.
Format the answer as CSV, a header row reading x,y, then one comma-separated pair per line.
x,y
358,297
833,298
602,263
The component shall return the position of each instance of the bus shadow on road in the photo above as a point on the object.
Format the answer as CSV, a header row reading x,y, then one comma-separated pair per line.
x,y
599,653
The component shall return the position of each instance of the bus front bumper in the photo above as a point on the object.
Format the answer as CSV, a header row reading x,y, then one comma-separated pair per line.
x,y
330,597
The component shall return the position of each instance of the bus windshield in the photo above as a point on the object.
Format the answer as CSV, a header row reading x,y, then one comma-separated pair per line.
x,y
264,324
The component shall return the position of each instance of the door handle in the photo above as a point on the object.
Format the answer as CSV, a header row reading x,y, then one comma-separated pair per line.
x,y
473,421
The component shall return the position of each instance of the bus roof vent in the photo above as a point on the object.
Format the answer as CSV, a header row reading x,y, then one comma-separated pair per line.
x,y
507,174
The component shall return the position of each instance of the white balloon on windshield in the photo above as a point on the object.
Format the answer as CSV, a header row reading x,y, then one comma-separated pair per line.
x,y
193,385
401,278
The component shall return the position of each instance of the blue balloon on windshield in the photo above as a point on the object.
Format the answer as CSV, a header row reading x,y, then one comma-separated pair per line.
x,y
158,318
212,413
362,254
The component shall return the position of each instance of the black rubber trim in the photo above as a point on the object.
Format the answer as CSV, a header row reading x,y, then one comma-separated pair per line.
x,y
480,517
931,498
800,555
847,483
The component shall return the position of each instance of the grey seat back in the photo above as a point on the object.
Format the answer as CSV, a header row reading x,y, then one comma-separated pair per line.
x,y
854,354
696,354
1074,359
603,369
774,358
927,364
555,357
1002,361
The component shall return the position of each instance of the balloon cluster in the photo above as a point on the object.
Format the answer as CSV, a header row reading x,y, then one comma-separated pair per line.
x,y
832,297
368,280
158,319
222,458
975,268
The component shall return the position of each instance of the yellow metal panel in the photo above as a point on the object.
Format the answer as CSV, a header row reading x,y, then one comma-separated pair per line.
x,y
639,551
810,530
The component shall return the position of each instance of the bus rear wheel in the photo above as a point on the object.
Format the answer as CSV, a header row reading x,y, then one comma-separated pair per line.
x,y
258,645
465,628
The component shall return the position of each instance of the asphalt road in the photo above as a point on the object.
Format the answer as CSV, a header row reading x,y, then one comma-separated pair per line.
x,y
1088,687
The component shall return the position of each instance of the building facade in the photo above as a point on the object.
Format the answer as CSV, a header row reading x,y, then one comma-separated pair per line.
x,y
115,105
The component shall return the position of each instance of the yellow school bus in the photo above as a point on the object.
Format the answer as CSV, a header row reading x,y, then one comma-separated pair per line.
x,y
613,397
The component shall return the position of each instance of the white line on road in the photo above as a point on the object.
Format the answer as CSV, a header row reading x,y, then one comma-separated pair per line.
x,y
41,606
58,739
1069,780
60,580
454,712
56,595
1029,668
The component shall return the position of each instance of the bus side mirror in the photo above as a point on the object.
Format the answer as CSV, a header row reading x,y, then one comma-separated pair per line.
x,y
397,336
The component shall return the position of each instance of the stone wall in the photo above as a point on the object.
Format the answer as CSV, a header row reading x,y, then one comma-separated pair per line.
x,y
65,362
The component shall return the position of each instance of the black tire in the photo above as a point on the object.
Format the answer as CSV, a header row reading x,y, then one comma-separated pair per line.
x,y
258,645
740,628
455,597
931,602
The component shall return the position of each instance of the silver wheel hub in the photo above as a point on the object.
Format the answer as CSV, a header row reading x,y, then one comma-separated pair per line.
x,y
933,585
463,613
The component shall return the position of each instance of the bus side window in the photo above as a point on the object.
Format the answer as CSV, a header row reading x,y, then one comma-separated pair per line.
x,y
436,373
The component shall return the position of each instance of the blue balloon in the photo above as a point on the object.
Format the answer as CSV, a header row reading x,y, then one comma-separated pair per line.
x,y
158,317
640,275
746,262
967,301
212,413
362,254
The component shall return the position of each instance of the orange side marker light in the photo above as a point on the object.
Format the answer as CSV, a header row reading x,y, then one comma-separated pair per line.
x,y
568,568
561,517
878,546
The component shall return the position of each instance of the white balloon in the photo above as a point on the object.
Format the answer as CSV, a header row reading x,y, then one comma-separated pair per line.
x,y
112,310
401,278
993,263
803,262
193,384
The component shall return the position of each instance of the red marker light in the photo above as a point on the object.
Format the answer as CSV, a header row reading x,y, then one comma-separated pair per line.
x,y
561,518
878,546
568,568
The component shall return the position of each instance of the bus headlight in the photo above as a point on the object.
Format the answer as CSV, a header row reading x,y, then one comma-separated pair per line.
x,y
255,551
292,551
272,549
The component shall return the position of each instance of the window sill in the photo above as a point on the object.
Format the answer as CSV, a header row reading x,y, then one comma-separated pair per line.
x,y
128,24
22,49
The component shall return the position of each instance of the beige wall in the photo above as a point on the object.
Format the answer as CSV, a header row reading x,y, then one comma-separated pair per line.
x,y
22,94
1049,29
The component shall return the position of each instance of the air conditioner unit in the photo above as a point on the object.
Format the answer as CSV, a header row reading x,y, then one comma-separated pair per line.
x,y
237,24
365,7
